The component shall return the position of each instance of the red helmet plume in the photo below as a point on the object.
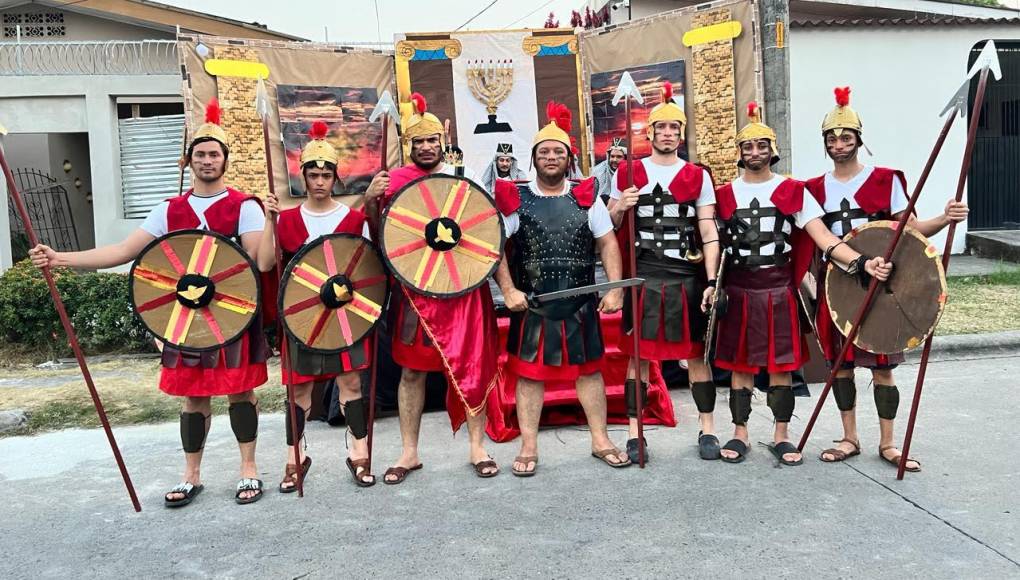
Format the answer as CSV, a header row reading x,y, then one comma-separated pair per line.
x,y
559,113
667,92
753,112
419,103
213,111
842,96
318,131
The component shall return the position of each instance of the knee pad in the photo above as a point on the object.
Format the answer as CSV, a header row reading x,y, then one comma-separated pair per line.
x,y
887,400
704,396
193,432
630,388
740,405
780,400
300,422
845,391
244,420
356,413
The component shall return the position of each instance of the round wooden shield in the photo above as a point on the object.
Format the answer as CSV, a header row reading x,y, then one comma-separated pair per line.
x,y
333,292
906,307
442,235
195,290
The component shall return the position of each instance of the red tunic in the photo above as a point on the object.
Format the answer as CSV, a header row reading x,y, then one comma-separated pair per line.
x,y
457,336
240,366
874,197
761,329
293,233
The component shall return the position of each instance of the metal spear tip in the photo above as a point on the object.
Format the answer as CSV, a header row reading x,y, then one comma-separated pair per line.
x,y
988,58
262,100
958,102
385,106
627,88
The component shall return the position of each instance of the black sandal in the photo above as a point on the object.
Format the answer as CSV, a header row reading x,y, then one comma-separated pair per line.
x,y
187,488
632,451
739,447
248,484
708,446
782,448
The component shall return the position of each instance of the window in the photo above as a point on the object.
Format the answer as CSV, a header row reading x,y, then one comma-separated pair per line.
x,y
34,24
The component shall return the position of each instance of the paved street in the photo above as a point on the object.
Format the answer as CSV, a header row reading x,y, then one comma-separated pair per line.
x,y
65,512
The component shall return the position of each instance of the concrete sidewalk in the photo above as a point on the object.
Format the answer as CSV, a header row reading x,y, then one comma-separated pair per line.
x,y
65,512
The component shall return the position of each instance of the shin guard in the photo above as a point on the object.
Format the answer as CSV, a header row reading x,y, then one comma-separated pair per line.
x,y
845,391
740,405
300,422
356,413
244,420
780,400
704,396
193,431
630,389
887,401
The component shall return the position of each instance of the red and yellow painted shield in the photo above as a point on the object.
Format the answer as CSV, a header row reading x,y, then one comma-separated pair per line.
x,y
907,307
442,235
195,290
333,292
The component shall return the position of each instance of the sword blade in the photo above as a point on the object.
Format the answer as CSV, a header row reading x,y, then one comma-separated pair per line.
x,y
592,289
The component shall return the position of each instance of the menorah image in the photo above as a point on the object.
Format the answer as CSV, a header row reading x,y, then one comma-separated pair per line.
x,y
491,83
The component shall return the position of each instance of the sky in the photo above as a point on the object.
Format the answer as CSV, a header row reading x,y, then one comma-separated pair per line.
x,y
355,20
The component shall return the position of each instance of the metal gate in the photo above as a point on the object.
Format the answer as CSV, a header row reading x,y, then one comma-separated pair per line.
x,y
994,178
47,205
150,148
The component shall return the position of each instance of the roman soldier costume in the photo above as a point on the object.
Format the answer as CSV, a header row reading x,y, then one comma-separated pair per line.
x,y
241,365
454,335
876,193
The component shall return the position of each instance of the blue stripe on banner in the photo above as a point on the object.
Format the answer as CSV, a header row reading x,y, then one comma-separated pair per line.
x,y
554,50
438,54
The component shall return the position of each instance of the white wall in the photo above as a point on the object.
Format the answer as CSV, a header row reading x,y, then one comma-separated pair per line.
x,y
901,79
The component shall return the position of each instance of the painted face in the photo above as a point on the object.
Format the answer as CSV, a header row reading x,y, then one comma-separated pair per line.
x,y
319,181
504,163
208,164
615,157
551,159
427,151
843,148
666,136
756,154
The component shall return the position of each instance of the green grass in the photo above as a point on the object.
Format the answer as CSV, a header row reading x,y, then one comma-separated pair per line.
x,y
986,303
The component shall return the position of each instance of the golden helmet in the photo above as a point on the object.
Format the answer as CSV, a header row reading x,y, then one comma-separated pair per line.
x,y
318,149
211,129
667,110
558,129
842,117
754,130
421,123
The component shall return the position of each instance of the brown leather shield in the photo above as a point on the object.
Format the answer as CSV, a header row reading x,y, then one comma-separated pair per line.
x,y
195,290
442,235
333,292
906,307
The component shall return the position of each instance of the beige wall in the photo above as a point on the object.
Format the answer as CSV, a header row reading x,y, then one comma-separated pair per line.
x,y
74,147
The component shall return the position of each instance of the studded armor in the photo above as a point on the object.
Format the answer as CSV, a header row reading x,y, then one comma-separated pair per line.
x,y
743,232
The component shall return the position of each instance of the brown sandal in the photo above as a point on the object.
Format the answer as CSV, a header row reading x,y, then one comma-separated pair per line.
x,y
840,455
525,459
896,460
354,466
481,466
400,473
603,455
290,475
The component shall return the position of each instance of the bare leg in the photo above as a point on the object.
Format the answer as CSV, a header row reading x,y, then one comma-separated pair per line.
x,y
739,382
782,430
699,372
849,420
530,397
193,461
632,424
350,389
411,400
476,438
248,467
591,392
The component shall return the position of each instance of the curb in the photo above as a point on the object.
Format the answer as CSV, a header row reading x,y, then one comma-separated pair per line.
x,y
984,344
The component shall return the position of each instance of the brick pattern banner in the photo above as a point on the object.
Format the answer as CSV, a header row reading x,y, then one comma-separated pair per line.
x,y
714,97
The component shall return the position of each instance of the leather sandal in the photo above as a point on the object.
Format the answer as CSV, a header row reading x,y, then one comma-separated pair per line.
x,y
359,477
525,460
840,455
290,477
400,473
896,460
603,456
481,466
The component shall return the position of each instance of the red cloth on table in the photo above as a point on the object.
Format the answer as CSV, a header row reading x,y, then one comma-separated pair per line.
x,y
561,404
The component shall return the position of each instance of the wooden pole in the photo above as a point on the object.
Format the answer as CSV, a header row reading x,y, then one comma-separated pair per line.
x,y
634,309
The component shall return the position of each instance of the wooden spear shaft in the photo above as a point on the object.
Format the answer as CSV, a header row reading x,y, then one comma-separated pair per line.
x,y
72,336
635,327
374,365
968,154
281,335
862,312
